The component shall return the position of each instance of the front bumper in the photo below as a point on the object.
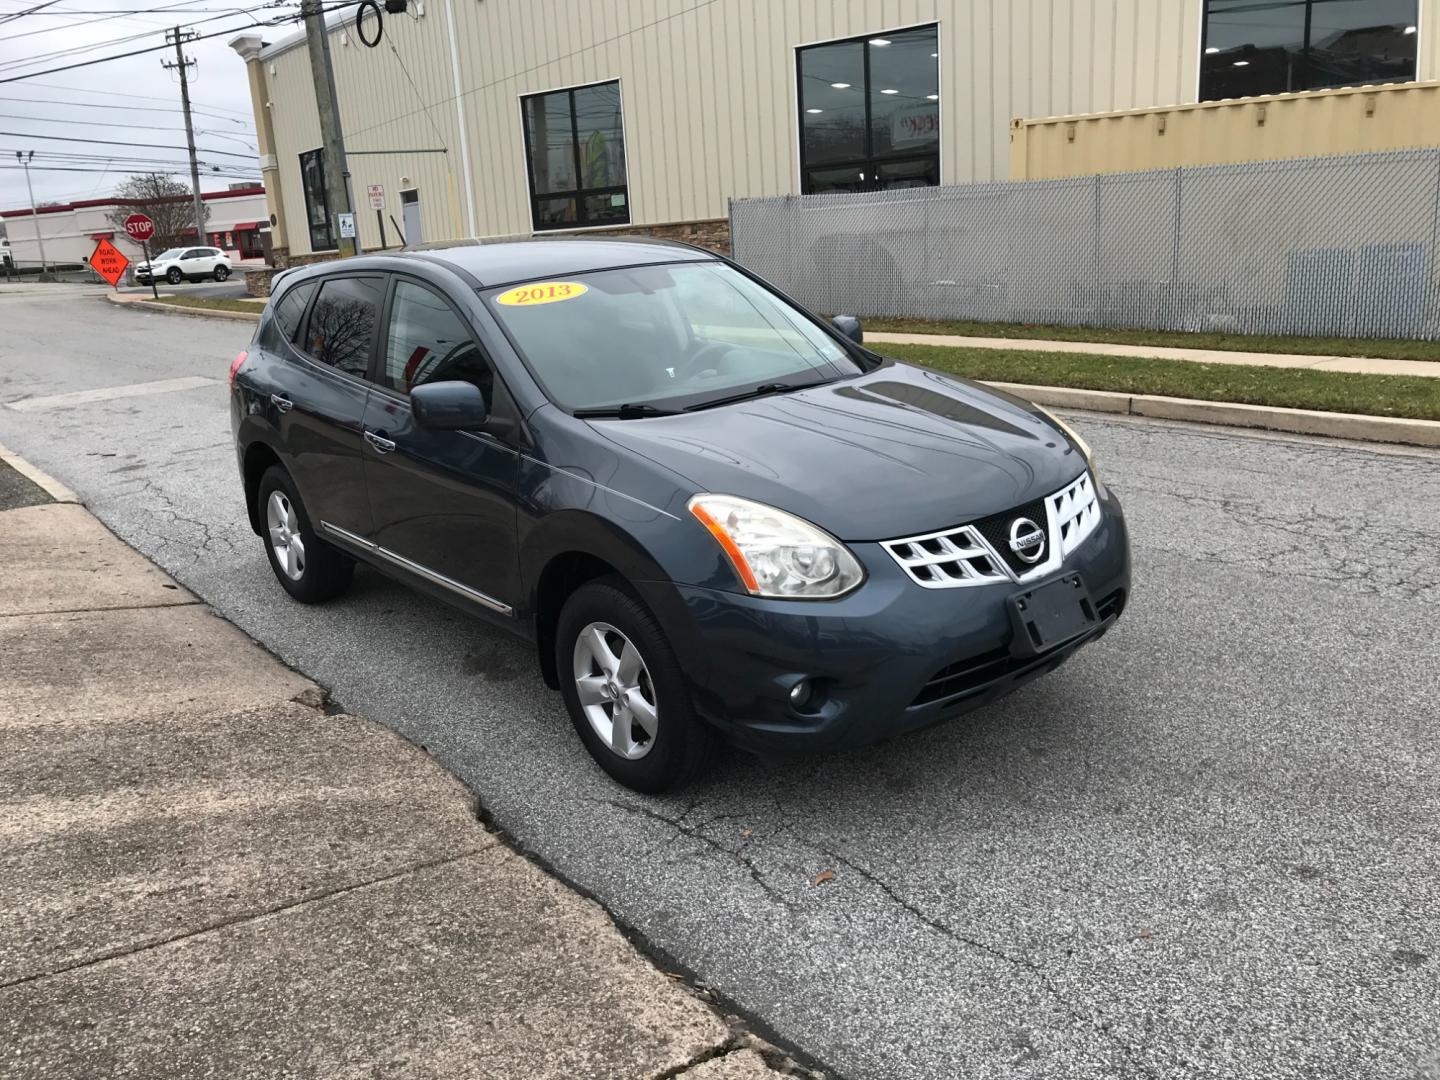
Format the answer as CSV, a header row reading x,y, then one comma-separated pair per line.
x,y
891,657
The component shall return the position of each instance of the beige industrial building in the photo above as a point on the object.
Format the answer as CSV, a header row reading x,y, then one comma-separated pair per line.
x,y
511,117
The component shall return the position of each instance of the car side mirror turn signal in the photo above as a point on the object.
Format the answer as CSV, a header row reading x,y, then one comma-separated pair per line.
x,y
850,327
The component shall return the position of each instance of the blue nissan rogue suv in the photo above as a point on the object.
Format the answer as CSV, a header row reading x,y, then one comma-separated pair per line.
x,y
714,513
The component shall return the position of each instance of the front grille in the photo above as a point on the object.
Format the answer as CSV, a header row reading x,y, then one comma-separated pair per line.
x,y
980,554
996,531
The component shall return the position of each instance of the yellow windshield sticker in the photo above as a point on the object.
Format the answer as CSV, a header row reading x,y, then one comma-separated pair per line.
x,y
542,292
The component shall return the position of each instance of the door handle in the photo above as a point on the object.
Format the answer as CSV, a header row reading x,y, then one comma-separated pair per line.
x,y
284,404
381,445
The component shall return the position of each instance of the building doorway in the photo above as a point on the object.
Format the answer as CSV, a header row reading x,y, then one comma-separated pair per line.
x,y
410,211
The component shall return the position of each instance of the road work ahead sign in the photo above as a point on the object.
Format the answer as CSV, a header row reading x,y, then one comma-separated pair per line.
x,y
109,262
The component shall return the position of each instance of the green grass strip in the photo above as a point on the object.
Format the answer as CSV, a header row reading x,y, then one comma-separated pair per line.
x,y
212,305
1415,397
1387,348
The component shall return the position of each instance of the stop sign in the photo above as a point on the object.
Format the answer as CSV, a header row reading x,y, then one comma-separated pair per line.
x,y
139,227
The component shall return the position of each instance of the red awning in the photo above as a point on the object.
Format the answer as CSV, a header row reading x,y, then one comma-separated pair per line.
x,y
245,226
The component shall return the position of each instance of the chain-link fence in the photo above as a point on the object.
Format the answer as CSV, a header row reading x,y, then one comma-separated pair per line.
x,y
1343,246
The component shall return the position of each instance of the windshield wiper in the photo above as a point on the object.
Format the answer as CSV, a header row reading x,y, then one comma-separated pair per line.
x,y
762,390
621,412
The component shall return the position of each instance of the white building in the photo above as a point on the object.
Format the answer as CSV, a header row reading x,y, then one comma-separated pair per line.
x,y
70,231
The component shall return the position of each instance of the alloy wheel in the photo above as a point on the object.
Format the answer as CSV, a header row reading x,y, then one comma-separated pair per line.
x,y
616,691
285,539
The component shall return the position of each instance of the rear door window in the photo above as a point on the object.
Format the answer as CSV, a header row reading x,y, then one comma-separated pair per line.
x,y
341,327
428,342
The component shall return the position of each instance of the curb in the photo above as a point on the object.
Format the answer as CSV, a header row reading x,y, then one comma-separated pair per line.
x,y
1383,429
176,309
47,483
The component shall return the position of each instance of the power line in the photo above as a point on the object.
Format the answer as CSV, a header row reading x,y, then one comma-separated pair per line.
x,y
74,50
115,94
107,16
173,109
113,142
198,37
112,124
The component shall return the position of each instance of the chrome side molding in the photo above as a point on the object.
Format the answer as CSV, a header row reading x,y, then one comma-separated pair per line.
x,y
433,576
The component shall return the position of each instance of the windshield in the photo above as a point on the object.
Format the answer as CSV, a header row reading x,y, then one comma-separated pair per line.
x,y
173,253
672,336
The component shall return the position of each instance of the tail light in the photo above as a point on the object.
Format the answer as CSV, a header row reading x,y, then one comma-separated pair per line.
x,y
235,366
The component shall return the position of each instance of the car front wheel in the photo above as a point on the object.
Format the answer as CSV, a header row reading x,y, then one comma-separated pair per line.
x,y
626,692
173,275
309,569
221,273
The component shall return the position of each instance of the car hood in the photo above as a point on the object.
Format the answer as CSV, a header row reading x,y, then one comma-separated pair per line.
x,y
898,451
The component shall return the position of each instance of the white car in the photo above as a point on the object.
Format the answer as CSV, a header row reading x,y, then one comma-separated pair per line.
x,y
184,264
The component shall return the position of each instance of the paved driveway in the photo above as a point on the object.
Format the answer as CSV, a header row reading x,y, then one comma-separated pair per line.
x,y
1205,847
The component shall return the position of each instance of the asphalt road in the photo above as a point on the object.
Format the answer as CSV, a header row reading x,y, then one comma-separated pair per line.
x,y
1204,847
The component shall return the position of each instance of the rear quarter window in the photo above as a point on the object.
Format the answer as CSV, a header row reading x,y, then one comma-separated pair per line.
x,y
282,319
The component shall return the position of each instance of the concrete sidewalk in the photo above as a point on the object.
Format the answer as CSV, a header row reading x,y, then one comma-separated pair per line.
x,y
1355,364
203,872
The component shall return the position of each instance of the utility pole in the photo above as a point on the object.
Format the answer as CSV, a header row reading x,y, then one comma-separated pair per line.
x,y
182,65
34,213
337,169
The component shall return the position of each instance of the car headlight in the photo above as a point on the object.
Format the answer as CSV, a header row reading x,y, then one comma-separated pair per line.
x,y
1074,437
776,554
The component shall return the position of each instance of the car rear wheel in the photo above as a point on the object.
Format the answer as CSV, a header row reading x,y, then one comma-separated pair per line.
x,y
221,273
173,275
309,569
625,691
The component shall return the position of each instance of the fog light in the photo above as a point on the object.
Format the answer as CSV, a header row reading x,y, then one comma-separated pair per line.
x,y
801,693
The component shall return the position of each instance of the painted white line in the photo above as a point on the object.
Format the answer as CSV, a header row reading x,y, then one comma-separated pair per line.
x,y
52,487
109,393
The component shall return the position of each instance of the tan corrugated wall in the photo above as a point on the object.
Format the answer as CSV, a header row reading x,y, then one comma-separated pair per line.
x,y
708,91
1046,145
1241,129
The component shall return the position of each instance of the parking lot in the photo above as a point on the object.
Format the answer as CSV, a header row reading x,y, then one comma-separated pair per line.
x,y
1204,847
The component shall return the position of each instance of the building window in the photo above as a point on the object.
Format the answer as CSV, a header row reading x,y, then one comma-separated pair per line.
x,y
870,112
317,205
1255,47
575,146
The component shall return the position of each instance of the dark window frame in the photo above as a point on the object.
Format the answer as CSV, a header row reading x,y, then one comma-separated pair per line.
x,y
1303,78
870,162
579,193
331,243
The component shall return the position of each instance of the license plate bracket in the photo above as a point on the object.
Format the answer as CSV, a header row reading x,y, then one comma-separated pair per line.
x,y
1051,614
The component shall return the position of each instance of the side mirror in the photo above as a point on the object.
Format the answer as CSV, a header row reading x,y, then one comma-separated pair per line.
x,y
449,406
850,326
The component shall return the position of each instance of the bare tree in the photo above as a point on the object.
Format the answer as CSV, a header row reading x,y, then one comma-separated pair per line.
x,y
166,202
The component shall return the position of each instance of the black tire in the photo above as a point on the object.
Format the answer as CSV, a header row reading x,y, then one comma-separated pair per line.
x,y
173,275
221,273
325,572
683,744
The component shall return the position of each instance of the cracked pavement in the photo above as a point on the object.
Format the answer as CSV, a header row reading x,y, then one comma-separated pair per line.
x,y
1203,847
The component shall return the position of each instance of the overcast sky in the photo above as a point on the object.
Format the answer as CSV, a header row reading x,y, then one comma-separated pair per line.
x,y
133,101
